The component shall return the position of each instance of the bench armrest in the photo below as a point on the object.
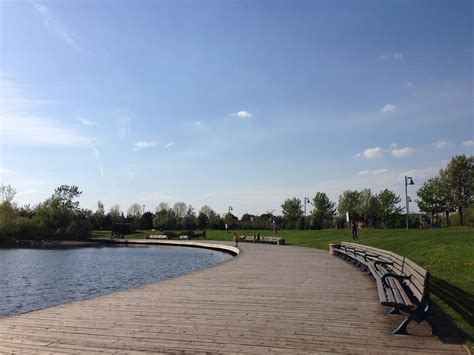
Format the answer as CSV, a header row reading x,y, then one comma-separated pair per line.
x,y
398,277
381,262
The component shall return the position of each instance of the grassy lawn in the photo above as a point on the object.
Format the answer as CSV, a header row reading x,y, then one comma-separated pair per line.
x,y
448,254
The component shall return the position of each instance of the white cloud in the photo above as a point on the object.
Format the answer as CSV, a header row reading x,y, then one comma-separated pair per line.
x,y
144,145
388,108
97,157
439,144
376,152
243,114
468,143
392,56
32,130
170,144
372,172
403,152
84,121
197,123
357,155
56,26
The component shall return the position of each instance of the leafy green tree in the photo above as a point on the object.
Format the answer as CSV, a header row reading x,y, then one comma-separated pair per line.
x,y
215,221
368,207
349,202
323,212
202,220
146,220
7,194
165,219
292,211
457,183
115,214
388,206
231,221
99,215
190,220
134,213
162,206
206,210
431,199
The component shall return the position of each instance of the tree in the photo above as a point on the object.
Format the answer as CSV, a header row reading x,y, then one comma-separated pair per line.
x,y
388,206
202,220
349,202
179,210
99,215
134,212
323,211
368,207
165,219
7,193
457,183
206,210
215,221
65,196
189,221
231,221
431,197
162,206
115,214
292,211
146,220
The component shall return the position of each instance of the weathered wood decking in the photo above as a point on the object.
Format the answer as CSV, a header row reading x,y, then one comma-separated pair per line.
x,y
269,298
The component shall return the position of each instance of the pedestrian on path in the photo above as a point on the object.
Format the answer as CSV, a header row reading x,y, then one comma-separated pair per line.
x,y
354,230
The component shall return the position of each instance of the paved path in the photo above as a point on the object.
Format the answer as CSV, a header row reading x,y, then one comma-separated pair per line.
x,y
269,298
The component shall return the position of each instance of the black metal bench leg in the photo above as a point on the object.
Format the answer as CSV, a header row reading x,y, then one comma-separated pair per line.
x,y
393,310
402,328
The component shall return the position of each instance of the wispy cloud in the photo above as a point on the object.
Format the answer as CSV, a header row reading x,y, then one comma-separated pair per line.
x,y
97,157
56,26
242,114
357,155
372,172
409,84
468,143
170,144
197,123
392,56
388,108
439,144
84,121
144,145
403,152
39,131
371,153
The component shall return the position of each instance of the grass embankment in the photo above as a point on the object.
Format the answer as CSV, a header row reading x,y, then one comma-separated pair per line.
x,y
448,254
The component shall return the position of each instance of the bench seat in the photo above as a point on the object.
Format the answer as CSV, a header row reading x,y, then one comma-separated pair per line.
x,y
401,284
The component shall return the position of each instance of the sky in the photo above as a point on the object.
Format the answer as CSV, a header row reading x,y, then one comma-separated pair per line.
x,y
231,103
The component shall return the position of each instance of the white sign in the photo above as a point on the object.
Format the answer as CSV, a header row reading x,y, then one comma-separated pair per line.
x,y
347,216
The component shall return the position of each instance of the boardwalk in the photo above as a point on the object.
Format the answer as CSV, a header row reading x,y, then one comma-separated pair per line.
x,y
269,298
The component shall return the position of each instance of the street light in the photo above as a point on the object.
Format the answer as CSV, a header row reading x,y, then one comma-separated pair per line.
x,y
306,200
408,181
230,209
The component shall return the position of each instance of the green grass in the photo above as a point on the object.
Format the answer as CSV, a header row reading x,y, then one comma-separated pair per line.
x,y
447,253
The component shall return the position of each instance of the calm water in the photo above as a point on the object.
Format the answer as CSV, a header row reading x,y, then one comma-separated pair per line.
x,y
37,278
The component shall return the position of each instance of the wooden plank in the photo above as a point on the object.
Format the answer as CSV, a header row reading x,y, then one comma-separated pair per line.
x,y
267,299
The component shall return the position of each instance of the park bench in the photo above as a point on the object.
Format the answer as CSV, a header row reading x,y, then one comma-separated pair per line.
x,y
266,240
401,284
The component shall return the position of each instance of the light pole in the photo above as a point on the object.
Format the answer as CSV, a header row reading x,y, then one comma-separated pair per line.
x,y
408,181
306,200
230,209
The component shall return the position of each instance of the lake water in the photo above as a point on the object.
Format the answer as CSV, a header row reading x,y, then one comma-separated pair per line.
x,y
32,279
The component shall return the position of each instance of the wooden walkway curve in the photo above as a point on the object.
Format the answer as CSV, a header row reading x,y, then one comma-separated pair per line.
x,y
268,299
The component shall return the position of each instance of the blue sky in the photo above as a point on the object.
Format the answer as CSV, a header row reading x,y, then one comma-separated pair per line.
x,y
241,103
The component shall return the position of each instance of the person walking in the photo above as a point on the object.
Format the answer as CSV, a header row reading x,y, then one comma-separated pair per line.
x,y
236,239
354,230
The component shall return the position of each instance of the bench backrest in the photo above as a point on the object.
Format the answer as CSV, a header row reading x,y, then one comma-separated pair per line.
x,y
419,277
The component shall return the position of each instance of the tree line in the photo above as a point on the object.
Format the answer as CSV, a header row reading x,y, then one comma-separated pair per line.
x,y
60,216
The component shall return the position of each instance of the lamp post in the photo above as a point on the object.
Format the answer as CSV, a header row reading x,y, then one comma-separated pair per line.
x,y
408,181
306,200
230,209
